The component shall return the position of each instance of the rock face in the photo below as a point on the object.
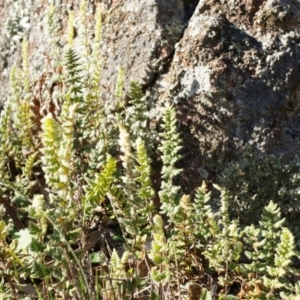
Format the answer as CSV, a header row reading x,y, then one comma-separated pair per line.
x,y
231,68
236,82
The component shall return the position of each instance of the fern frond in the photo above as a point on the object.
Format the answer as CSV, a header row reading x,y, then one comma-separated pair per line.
x,y
134,210
97,189
136,114
224,210
52,20
66,147
23,140
145,191
25,125
25,68
159,253
205,224
285,249
73,76
170,147
50,138
29,164
6,129
271,224
6,146
14,99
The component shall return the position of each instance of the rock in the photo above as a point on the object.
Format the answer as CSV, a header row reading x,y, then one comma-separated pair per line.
x,y
235,80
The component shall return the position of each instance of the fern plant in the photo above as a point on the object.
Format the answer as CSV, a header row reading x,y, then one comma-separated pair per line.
x,y
75,175
273,248
225,249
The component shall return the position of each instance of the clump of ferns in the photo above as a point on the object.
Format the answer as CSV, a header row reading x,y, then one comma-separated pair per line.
x,y
223,248
173,241
62,163
82,77
9,257
132,199
128,187
270,249
18,142
58,163
6,144
94,120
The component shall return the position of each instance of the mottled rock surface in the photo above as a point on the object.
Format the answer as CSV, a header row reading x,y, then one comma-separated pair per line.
x,y
232,69
235,79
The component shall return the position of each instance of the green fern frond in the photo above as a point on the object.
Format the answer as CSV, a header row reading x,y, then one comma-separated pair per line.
x,y
66,147
50,138
23,141
136,114
73,75
145,191
29,164
285,249
171,143
271,225
6,129
205,224
159,253
14,99
52,20
170,148
23,121
25,68
97,190
136,210
25,125
224,210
